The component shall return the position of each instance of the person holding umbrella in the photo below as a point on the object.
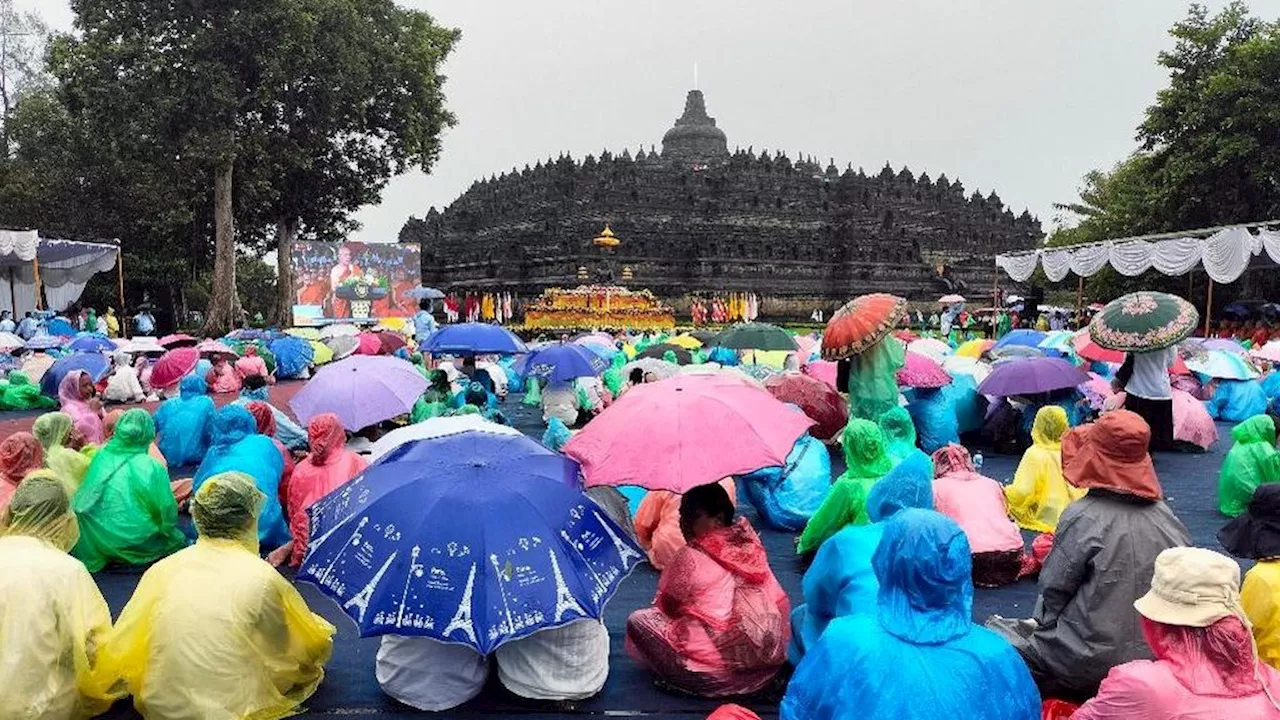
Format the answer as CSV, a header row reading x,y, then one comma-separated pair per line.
x,y
858,335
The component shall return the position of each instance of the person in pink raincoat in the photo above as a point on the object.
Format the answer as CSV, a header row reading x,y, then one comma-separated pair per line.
x,y
1206,665
251,364
657,523
20,453
329,465
718,626
978,506
223,378
77,394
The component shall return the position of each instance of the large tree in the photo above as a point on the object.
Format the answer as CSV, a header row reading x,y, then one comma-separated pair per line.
x,y
270,109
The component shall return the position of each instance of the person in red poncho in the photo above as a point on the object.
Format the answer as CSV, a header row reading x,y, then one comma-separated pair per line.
x,y
719,625
20,453
329,465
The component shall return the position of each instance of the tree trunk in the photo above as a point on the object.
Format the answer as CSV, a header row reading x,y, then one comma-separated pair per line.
x,y
224,308
286,233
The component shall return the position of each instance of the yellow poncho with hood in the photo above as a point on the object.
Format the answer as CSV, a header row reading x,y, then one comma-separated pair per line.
x,y
52,430
1039,492
213,631
52,616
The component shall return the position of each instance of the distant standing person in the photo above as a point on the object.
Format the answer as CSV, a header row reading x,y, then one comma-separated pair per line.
x,y
28,327
1144,377
145,322
341,271
6,322
424,323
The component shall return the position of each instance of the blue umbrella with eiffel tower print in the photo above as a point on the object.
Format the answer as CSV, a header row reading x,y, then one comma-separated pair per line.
x,y
473,538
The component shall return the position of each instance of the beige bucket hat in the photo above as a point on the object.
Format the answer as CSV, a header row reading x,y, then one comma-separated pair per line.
x,y
1193,587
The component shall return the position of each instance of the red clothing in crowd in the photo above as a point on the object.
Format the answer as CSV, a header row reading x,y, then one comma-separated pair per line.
x,y
329,465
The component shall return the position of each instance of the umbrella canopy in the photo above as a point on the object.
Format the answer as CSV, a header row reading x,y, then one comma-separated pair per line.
x,y
1031,376
1096,391
688,342
756,336
339,330
861,323
425,293
809,347
343,346
950,299
826,407
436,427
370,344
605,352
1269,352
244,334
321,354
1087,349
659,351
177,340
973,367
1022,338
687,431
491,530
561,363
94,363
1015,351
975,348
1225,345
10,342
59,326
933,349
173,365
705,336
733,372
35,365
292,356
922,372
141,344
1059,343
1144,321
660,369
824,370
362,390
43,341
600,338
90,343
473,339
306,333
1223,365
214,347
391,341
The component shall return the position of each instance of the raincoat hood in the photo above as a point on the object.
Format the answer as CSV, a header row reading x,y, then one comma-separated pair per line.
x,y
261,394
1218,660
41,508
1049,427
20,453
909,485
1111,454
925,571
231,424
326,436
899,432
263,416
1259,428
69,388
953,460
556,436
135,430
737,549
864,450
52,429
226,507
192,386
17,377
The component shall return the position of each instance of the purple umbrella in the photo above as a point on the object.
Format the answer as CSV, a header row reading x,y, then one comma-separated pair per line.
x,y
362,390
1224,345
1031,376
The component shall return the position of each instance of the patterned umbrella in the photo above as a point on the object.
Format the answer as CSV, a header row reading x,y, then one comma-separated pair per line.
x,y
861,323
922,372
1087,349
172,366
817,399
1223,365
1143,321
931,348
43,341
292,356
756,336
1031,376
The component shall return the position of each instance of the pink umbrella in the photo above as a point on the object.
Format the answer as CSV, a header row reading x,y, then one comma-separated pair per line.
x,y
807,344
684,432
1096,391
370,344
922,372
171,366
823,370
214,347
1191,422
178,340
1269,352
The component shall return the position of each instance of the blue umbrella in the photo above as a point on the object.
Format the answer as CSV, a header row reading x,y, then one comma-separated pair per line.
x,y
91,343
474,538
96,364
58,326
561,363
472,339
1025,338
293,355
44,341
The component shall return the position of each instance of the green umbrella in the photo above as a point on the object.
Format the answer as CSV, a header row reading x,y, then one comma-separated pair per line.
x,y
756,336
1144,321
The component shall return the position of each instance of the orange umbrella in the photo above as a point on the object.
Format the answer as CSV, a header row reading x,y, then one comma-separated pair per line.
x,y
861,323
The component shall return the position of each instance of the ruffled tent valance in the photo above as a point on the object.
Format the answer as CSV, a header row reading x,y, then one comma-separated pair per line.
x,y
1225,255
65,268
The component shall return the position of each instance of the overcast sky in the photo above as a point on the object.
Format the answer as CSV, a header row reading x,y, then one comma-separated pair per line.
x,y
1023,97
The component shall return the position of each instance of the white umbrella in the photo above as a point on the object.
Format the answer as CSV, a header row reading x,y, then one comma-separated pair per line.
x,y
435,428
339,330
10,342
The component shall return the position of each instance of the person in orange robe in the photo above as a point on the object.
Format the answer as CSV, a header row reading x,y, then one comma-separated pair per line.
x,y
341,271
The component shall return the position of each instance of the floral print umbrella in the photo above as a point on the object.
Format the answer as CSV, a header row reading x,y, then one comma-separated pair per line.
x,y
1144,321
861,323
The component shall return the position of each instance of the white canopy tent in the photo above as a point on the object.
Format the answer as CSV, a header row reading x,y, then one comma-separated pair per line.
x,y
62,267
1224,252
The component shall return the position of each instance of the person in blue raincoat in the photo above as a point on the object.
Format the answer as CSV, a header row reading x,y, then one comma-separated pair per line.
x,y
236,446
917,655
289,433
969,406
182,423
933,410
786,497
841,581
1237,400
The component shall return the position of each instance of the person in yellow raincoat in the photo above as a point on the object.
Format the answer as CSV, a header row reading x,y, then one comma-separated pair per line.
x,y
52,615
62,448
1039,492
214,631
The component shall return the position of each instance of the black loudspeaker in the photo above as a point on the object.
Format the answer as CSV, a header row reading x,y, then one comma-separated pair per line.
x,y
842,375
1032,302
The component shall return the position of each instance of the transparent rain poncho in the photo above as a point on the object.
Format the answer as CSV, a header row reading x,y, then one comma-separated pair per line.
x,y
52,616
865,462
214,631
918,656
53,430
786,497
873,379
182,423
1040,492
1252,461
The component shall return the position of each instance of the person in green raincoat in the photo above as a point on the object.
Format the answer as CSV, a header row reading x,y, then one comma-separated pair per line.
x,y
57,434
865,463
435,401
1003,325
125,507
899,434
873,379
1251,462
22,394
612,376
